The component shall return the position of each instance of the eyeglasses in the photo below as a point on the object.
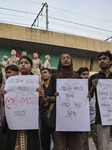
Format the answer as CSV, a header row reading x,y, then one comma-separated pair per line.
x,y
63,58
103,58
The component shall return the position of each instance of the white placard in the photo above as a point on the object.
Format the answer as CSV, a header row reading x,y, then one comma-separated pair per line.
x,y
72,105
21,102
104,93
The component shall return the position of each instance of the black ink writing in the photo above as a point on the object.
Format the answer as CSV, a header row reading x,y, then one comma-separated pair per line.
x,y
109,110
106,115
69,95
103,93
11,81
66,104
20,113
22,88
71,112
110,98
31,81
106,85
77,87
78,105
104,98
66,87
109,120
19,80
105,104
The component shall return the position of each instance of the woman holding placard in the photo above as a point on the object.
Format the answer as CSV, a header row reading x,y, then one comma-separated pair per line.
x,y
66,140
25,139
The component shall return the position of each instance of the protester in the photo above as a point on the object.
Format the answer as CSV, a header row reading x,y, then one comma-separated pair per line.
x,y
103,132
2,113
30,138
46,130
84,74
10,70
64,140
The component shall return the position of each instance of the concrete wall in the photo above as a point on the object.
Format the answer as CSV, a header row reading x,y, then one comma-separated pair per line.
x,y
53,38
76,43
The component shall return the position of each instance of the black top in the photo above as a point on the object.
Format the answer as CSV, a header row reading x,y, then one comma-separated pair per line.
x,y
49,91
99,75
43,109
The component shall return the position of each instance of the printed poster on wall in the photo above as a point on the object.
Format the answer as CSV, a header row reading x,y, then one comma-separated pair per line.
x,y
21,102
104,93
72,105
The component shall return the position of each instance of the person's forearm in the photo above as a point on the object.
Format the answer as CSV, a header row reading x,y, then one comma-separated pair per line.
x,y
92,90
51,99
41,100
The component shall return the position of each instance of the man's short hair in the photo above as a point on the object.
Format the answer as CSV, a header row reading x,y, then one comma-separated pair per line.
x,y
49,70
82,69
12,67
106,53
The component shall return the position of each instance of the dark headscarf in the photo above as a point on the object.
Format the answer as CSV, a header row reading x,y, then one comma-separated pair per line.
x,y
65,71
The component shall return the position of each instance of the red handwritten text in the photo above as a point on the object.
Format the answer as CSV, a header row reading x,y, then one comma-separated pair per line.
x,y
21,100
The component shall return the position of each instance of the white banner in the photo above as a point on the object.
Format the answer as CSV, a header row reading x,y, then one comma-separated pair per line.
x,y
21,102
72,105
104,93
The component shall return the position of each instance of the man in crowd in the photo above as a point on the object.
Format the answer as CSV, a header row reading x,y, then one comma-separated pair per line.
x,y
10,70
46,130
84,74
103,132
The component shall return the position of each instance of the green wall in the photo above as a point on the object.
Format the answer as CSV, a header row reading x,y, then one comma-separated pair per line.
x,y
54,58
4,51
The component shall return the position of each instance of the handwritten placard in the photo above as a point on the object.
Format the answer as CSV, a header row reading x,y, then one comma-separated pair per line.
x,y
104,93
21,102
72,105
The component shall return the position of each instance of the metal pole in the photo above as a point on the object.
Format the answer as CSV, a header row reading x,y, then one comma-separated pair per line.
x,y
47,17
38,15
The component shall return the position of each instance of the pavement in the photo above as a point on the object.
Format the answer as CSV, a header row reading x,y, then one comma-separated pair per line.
x,y
92,145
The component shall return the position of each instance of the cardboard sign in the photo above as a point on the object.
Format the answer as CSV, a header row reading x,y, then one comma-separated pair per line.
x,y
104,93
21,102
72,105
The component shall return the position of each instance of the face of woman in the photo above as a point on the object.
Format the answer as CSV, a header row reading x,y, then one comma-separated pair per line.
x,y
24,66
66,60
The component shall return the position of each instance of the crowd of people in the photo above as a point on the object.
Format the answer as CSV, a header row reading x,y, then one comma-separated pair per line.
x,y
40,139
